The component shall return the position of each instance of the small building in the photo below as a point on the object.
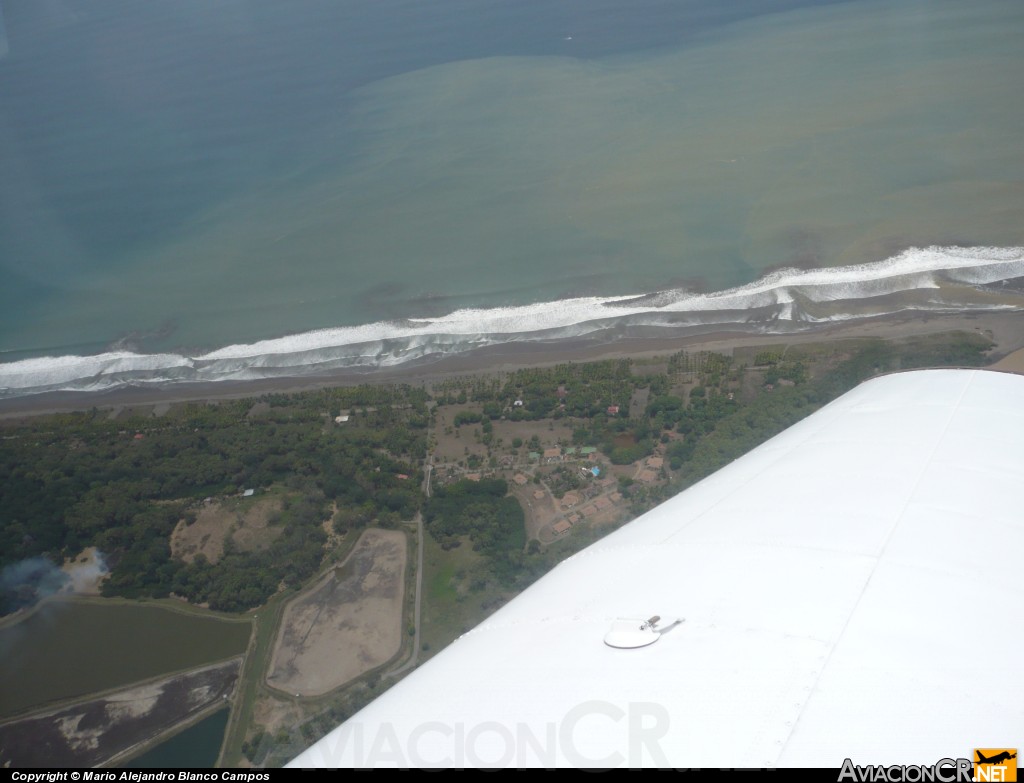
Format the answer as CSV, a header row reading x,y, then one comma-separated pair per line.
x,y
561,527
472,477
248,493
538,494
586,451
613,410
553,454
534,456
520,479
655,462
401,477
518,404
340,419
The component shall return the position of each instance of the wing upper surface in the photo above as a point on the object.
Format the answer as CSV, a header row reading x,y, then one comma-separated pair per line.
x,y
848,589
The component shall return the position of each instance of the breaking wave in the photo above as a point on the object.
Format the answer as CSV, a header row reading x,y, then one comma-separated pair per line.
x,y
935,279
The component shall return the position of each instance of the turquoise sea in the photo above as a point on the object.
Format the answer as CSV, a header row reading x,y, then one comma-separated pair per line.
x,y
201,191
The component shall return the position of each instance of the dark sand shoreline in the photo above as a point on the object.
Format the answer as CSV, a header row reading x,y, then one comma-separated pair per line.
x,y
1006,329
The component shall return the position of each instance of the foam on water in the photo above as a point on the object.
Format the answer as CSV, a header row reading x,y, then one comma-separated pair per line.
x,y
784,300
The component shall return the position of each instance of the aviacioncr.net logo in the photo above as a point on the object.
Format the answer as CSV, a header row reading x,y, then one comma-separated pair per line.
x,y
942,771
995,764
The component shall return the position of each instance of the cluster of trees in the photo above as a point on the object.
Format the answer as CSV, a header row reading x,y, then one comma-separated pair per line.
x,y
786,371
468,417
239,580
777,368
747,426
696,418
578,390
483,511
71,481
622,440
585,391
706,363
581,390
625,440
350,398
563,478
463,389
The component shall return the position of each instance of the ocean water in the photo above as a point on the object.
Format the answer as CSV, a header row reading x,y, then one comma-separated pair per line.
x,y
204,191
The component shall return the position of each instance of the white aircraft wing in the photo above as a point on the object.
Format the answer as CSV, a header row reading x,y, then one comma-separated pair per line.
x,y
851,588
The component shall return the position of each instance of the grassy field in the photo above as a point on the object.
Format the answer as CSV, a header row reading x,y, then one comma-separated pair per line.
x,y
449,607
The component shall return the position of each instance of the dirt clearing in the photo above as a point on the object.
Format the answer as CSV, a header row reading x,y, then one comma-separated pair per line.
x,y
91,732
348,623
245,521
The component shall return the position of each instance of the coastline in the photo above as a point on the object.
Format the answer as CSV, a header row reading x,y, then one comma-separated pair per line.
x,y
1006,329
917,283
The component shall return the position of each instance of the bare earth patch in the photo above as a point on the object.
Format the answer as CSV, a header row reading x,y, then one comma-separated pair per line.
x,y
348,623
539,513
460,442
1014,362
272,714
97,730
245,522
551,432
85,572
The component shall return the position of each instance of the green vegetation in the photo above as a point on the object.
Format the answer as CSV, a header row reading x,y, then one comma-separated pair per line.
x,y
450,608
564,478
728,433
580,390
125,484
78,480
241,580
482,511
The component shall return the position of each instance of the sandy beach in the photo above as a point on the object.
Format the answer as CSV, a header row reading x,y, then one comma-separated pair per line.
x,y
1005,329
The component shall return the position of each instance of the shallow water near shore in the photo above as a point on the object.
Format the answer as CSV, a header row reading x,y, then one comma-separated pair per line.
x,y
521,185
927,281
